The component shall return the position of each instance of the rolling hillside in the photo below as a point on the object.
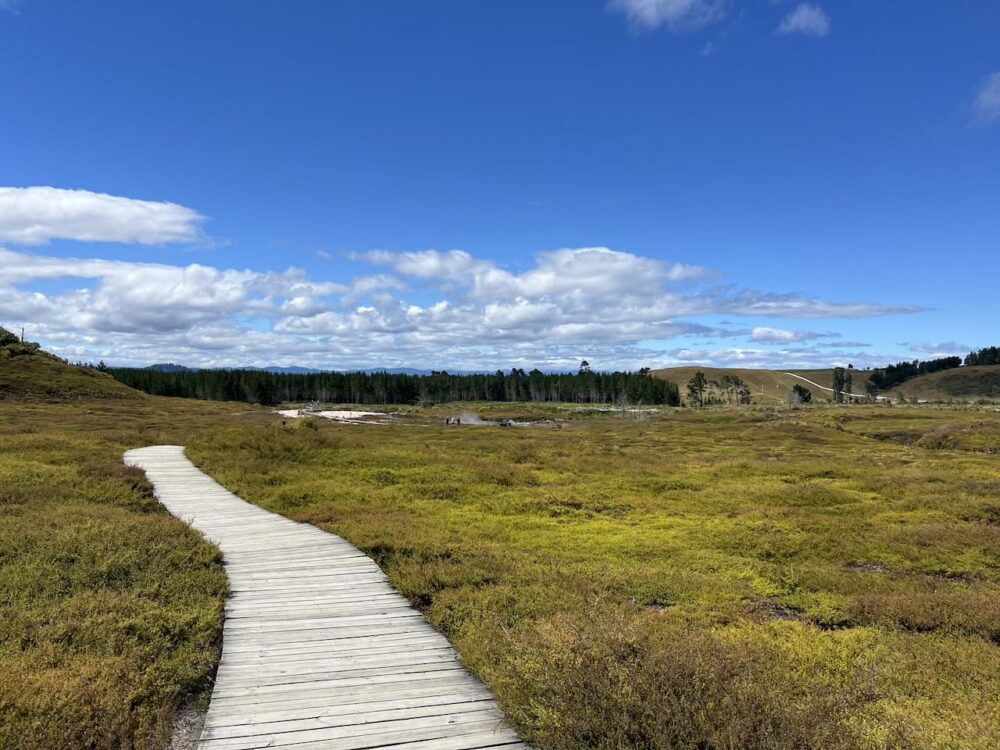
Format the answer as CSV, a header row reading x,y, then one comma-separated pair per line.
x,y
772,386
29,374
960,384
767,386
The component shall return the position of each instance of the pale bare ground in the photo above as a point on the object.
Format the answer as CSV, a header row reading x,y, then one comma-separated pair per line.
x,y
339,415
187,725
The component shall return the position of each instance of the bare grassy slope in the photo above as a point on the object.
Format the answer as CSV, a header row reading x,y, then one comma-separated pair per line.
x,y
771,386
767,386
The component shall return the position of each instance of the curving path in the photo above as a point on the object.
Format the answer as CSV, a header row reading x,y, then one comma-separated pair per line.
x,y
319,651
830,390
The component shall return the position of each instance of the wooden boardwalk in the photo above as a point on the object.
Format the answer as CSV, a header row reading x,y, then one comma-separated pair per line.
x,y
319,652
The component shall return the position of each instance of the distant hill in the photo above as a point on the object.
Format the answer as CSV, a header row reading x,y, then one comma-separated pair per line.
x,y
772,386
29,374
295,370
169,367
767,386
959,384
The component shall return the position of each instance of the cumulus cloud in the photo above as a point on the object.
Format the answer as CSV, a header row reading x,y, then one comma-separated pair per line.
x,y
987,102
677,15
805,19
423,309
37,215
453,265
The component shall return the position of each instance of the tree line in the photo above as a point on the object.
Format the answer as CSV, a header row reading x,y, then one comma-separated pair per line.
x,y
886,378
729,389
990,355
262,387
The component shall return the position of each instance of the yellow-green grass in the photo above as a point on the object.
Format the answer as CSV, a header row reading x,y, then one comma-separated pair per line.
x,y
42,377
766,386
724,579
110,609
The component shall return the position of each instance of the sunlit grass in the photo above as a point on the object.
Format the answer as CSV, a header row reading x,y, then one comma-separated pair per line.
x,y
778,579
110,609
816,578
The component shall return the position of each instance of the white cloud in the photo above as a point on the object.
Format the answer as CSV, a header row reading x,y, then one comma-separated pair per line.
x,y
429,309
772,359
678,15
37,215
150,297
806,19
944,349
767,304
768,335
453,265
987,102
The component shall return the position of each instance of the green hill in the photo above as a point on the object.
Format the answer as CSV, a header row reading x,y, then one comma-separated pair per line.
x,y
27,373
768,386
959,384
772,386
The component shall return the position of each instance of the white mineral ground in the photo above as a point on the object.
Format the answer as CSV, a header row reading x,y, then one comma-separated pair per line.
x,y
341,415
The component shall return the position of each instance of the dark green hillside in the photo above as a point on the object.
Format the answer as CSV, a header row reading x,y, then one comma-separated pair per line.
x,y
962,384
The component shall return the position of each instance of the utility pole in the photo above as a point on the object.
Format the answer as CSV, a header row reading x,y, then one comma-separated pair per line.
x,y
22,334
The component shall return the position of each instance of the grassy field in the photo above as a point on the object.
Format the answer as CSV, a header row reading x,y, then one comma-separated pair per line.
x,y
812,578
110,609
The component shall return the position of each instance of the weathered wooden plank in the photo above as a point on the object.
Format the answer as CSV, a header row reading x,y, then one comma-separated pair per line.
x,y
350,716
356,737
319,652
323,697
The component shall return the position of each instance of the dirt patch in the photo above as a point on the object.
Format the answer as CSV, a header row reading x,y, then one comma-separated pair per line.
x,y
772,609
863,567
187,725
990,516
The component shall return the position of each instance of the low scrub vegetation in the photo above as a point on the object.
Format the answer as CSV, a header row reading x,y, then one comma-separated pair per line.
x,y
723,579
110,609
799,578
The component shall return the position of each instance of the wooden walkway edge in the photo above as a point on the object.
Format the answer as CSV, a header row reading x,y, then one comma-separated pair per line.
x,y
319,652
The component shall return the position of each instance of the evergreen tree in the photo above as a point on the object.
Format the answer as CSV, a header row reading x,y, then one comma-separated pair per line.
x,y
838,384
871,392
802,394
696,389
258,386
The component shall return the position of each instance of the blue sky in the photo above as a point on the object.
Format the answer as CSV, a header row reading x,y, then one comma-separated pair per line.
x,y
466,185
